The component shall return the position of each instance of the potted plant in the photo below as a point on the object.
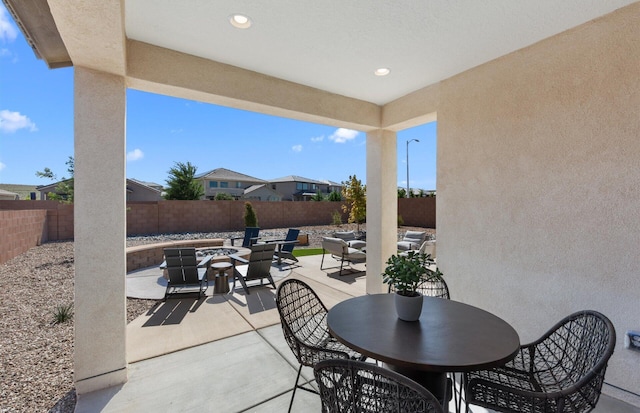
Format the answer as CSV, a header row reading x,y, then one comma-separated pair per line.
x,y
404,273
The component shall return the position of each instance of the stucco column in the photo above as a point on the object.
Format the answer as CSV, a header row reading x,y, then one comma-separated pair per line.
x,y
382,204
100,231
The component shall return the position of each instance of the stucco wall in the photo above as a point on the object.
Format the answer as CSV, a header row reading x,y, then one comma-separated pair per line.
x,y
539,184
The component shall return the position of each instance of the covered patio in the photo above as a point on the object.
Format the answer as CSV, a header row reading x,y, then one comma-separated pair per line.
x,y
231,354
537,110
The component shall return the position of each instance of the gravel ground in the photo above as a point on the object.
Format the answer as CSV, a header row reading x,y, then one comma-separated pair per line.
x,y
36,353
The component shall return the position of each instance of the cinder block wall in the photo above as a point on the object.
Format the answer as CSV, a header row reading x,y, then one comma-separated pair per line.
x,y
21,230
418,212
210,216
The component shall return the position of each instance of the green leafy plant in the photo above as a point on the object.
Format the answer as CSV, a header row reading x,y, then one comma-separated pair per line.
x,y
62,313
223,196
406,272
400,221
318,196
181,184
250,217
336,218
356,196
334,196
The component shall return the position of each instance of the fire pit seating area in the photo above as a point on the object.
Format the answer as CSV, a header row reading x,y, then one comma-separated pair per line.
x,y
143,256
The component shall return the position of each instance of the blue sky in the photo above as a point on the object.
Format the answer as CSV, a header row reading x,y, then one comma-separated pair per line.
x,y
36,131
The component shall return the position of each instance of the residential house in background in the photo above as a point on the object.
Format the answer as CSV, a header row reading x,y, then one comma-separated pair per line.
x,y
143,191
8,196
328,187
225,181
136,191
298,188
45,190
261,193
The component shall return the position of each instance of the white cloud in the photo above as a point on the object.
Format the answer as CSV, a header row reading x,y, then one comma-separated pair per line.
x,y
8,32
2,166
12,121
297,148
134,155
317,139
342,135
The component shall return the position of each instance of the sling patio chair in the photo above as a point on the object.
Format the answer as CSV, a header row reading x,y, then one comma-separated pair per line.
x,y
561,372
303,318
360,387
340,250
250,237
257,267
184,272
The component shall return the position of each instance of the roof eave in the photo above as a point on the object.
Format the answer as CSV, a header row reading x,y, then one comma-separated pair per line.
x,y
36,23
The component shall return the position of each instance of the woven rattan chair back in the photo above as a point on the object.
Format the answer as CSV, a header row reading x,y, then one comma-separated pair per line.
x,y
431,286
304,320
359,387
304,323
563,371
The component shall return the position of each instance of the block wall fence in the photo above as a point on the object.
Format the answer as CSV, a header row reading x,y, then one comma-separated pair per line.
x,y
25,224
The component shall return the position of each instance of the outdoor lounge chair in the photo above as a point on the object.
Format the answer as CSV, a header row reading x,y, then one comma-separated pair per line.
x,y
258,266
303,318
250,237
340,250
360,387
351,238
562,371
412,240
185,273
285,250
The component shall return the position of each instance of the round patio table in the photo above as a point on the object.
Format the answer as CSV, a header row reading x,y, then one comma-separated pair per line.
x,y
449,337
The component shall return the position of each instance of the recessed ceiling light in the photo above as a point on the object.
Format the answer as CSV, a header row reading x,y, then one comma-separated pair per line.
x,y
240,21
383,71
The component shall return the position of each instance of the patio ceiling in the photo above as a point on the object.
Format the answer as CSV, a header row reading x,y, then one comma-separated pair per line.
x,y
331,45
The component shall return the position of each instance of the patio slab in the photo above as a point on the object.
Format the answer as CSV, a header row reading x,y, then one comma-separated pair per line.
x,y
228,375
182,323
213,355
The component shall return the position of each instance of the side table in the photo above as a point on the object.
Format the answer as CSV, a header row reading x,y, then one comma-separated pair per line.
x,y
221,284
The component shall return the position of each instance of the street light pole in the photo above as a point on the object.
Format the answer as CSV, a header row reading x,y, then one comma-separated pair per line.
x,y
409,141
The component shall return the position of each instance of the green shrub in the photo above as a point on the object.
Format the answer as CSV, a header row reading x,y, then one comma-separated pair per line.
x,y
400,221
62,313
250,217
334,196
336,218
223,196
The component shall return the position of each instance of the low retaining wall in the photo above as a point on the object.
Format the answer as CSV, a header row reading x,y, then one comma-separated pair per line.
x,y
143,256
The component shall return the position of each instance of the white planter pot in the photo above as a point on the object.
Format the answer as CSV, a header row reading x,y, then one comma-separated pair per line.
x,y
408,308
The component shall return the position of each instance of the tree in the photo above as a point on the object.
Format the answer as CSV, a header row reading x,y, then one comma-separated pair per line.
x,y
250,217
181,184
355,194
64,189
318,196
223,196
334,196
402,193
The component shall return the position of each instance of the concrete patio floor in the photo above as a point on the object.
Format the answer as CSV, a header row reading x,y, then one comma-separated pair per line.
x,y
227,353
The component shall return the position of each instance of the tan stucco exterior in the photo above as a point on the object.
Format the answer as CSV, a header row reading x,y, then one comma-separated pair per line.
x,y
538,185
537,173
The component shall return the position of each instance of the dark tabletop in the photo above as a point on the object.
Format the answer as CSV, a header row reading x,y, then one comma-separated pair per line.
x,y
450,336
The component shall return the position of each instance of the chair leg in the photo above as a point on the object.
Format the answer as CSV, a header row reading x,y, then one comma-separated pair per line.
x,y
341,264
295,387
322,261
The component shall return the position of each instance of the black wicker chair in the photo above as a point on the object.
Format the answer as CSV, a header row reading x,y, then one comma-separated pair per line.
x,y
432,286
563,371
359,387
304,323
